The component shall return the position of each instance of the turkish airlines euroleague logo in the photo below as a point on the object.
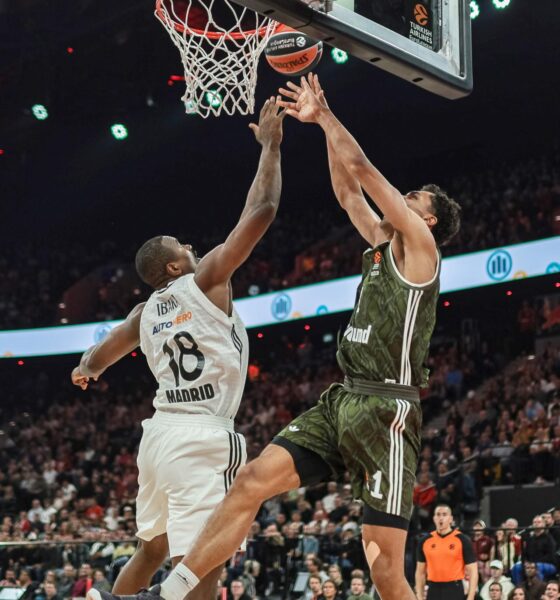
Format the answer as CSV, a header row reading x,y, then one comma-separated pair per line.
x,y
421,15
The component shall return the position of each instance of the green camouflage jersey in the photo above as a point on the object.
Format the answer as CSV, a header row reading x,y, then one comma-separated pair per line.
x,y
388,337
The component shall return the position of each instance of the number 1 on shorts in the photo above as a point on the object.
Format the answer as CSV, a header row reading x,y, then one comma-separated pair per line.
x,y
376,491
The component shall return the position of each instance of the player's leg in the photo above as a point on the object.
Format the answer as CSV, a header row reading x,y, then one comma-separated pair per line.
x,y
296,457
272,473
151,519
380,445
206,589
384,548
137,573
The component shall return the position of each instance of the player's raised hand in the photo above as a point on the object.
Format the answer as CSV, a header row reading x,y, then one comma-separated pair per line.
x,y
269,130
307,100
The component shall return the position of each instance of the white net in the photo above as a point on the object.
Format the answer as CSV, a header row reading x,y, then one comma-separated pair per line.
x,y
220,45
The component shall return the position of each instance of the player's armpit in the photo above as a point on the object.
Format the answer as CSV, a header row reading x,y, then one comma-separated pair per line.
x,y
118,343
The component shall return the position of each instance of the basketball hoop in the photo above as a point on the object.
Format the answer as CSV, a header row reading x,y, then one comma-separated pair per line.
x,y
220,44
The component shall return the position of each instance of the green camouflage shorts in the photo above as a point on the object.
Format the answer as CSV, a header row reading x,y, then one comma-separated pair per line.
x,y
375,438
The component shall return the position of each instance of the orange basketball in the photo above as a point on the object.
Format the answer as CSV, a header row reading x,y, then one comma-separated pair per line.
x,y
293,53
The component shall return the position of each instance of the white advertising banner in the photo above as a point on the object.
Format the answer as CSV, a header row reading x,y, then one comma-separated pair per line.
x,y
462,272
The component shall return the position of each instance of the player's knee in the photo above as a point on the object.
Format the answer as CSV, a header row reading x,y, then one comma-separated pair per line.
x,y
385,573
154,551
251,483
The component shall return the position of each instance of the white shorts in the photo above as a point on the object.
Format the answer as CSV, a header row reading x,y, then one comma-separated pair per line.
x,y
186,464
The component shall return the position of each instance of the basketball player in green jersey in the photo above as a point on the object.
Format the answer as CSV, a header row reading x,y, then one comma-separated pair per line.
x,y
370,424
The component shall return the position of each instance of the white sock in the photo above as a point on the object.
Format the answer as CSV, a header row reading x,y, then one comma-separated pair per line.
x,y
179,583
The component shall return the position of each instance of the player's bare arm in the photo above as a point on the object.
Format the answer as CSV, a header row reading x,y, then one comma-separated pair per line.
x,y
349,194
214,271
118,343
346,187
415,248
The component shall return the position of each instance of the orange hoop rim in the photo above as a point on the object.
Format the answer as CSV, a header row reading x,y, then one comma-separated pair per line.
x,y
211,35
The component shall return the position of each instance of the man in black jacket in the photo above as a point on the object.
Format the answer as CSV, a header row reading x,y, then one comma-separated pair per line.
x,y
538,545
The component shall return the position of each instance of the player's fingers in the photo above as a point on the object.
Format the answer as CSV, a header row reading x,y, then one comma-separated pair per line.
x,y
288,94
294,87
317,83
264,108
304,84
292,113
254,128
288,105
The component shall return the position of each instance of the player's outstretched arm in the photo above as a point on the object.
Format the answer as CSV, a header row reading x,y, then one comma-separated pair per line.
x,y
346,187
217,267
118,343
308,105
349,194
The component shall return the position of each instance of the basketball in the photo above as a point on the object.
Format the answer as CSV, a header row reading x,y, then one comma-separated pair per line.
x,y
293,53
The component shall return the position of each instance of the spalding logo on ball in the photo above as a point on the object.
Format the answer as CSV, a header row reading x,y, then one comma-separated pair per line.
x,y
292,53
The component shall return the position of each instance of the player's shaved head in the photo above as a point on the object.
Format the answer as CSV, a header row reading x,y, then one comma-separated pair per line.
x,y
153,257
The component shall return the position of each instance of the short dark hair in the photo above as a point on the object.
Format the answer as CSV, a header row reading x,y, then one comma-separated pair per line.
x,y
152,259
448,214
443,505
498,584
554,582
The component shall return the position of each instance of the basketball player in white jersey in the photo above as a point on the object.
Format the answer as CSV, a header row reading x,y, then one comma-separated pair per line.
x,y
197,348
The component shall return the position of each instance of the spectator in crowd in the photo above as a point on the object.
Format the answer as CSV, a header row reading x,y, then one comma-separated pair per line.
x,y
10,579
518,593
504,549
424,498
100,581
66,581
329,499
237,590
84,582
251,571
315,567
539,547
314,587
552,591
27,583
495,591
47,591
335,574
358,589
310,543
330,544
533,584
496,576
329,591
483,545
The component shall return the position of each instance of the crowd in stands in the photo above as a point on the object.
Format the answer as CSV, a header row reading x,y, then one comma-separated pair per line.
x,y
68,479
69,468
69,282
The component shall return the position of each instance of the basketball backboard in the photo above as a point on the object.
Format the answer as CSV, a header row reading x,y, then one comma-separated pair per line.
x,y
426,42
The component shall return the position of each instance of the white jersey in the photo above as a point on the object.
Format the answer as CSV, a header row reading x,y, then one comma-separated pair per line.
x,y
197,353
